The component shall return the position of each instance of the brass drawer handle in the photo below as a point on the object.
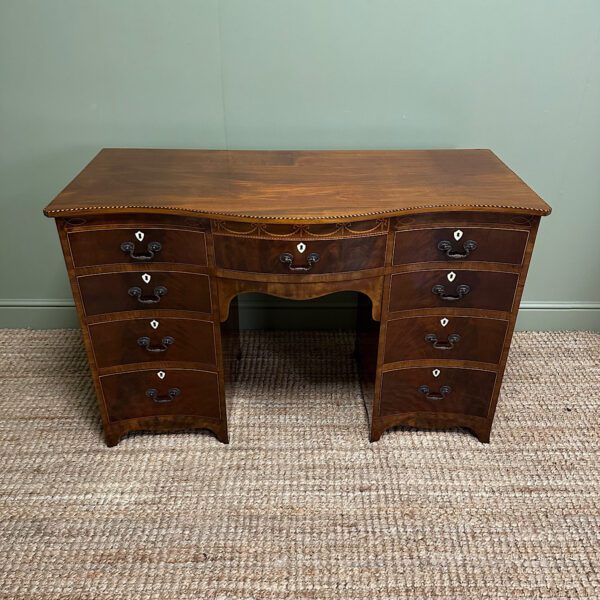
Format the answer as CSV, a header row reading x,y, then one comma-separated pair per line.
x,y
288,259
152,249
144,342
159,292
441,395
453,339
461,291
171,395
446,247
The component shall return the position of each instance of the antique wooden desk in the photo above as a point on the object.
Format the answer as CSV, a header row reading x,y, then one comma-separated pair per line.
x,y
159,243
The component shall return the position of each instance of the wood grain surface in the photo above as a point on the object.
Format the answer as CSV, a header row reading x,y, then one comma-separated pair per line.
x,y
288,186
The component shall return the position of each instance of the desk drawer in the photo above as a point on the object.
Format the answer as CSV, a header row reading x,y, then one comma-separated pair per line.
x,y
460,244
489,290
456,338
152,340
135,290
293,257
443,389
137,245
150,393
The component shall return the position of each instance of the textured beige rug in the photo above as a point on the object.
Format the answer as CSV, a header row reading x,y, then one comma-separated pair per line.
x,y
300,505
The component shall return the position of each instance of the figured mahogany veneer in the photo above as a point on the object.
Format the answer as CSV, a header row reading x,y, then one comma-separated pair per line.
x,y
109,246
489,245
334,255
488,290
127,395
477,339
110,292
158,245
452,390
130,341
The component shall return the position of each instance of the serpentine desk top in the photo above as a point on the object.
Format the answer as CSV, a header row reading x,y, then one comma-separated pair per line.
x,y
293,186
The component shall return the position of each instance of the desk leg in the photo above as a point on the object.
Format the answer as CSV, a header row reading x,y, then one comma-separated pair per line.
x,y
366,350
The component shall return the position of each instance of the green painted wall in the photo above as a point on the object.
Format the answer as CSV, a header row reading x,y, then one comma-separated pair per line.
x,y
518,76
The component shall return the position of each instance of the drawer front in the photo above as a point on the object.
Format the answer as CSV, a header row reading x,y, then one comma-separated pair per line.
x,y
292,257
152,340
456,338
144,245
439,288
115,292
442,389
460,244
151,393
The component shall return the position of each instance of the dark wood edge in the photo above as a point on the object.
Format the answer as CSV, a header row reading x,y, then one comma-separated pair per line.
x,y
294,278
162,365
453,266
218,340
159,313
449,312
373,410
446,363
109,269
458,312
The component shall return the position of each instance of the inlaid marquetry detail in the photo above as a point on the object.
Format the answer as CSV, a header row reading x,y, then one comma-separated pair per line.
x,y
301,231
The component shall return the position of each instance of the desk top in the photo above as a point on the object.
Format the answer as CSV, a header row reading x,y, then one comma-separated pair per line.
x,y
292,186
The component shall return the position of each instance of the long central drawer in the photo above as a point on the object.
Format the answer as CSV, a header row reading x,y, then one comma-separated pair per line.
x,y
294,257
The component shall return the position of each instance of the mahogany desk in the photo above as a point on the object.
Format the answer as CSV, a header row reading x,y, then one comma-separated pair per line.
x,y
159,243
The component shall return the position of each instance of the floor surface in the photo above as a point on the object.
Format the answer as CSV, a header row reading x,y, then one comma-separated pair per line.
x,y
299,505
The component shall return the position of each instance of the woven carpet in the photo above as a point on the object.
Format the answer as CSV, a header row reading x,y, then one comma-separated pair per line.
x,y
300,505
